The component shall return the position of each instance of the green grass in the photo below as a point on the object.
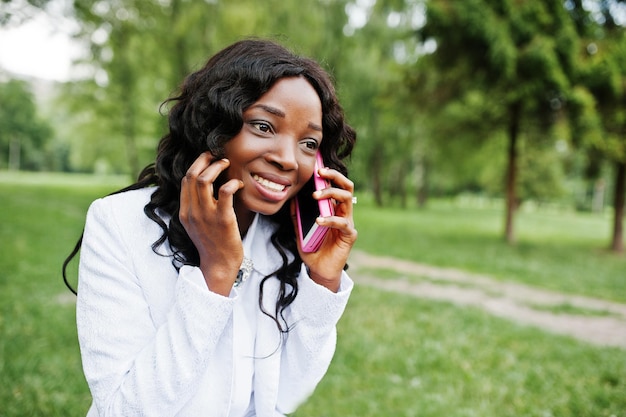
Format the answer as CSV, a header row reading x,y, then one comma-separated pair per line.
x,y
397,355
401,356
568,308
40,371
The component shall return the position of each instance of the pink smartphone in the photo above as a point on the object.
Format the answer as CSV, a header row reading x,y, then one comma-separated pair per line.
x,y
308,209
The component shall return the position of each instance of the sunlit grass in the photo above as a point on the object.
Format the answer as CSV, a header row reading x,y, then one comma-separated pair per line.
x,y
401,356
570,309
40,371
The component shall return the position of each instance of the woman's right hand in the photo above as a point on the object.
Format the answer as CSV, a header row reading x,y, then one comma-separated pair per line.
x,y
211,223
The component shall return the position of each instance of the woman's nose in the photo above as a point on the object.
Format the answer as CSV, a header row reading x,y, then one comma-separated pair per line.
x,y
283,154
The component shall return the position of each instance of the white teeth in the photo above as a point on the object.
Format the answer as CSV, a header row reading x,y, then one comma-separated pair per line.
x,y
268,184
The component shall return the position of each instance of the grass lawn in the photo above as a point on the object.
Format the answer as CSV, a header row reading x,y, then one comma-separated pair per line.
x,y
397,356
401,356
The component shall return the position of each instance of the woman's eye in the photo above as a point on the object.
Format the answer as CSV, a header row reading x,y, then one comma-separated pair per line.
x,y
311,144
262,126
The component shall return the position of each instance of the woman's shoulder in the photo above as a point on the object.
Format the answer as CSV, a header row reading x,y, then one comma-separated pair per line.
x,y
131,197
122,215
126,205
127,199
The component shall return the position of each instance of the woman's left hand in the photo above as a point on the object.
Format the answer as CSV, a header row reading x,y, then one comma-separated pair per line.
x,y
326,265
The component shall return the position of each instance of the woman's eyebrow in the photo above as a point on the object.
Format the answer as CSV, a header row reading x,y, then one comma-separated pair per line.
x,y
270,109
281,114
315,126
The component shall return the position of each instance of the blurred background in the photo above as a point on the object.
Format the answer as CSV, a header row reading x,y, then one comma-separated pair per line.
x,y
491,138
520,100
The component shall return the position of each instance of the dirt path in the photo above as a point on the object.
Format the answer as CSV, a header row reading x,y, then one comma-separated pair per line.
x,y
603,322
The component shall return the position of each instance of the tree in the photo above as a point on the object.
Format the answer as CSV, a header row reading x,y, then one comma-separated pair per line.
x,y
599,103
375,54
121,94
605,77
518,54
140,52
22,132
16,12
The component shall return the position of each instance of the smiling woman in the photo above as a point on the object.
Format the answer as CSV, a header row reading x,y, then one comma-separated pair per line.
x,y
194,294
274,153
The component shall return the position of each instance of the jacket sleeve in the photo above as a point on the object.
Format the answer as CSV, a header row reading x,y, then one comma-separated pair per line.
x,y
310,344
132,367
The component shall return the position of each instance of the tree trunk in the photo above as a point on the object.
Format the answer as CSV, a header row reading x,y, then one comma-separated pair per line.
x,y
127,82
14,154
422,191
402,186
397,188
130,140
511,174
597,200
617,243
376,163
376,174
181,61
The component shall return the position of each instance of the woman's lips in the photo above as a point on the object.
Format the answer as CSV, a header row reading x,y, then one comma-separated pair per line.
x,y
271,185
271,189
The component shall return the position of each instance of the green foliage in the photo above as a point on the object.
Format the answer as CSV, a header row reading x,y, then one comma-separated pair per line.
x,y
510,51
23,133
433,88
494,53
603,73
15,12
513,59
140,52
587,127
605,76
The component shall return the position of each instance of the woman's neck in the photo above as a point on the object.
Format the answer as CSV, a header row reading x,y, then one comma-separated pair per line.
x,y
245,218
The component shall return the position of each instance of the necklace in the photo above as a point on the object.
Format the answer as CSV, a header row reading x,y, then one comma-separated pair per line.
x,y
246,265
244,271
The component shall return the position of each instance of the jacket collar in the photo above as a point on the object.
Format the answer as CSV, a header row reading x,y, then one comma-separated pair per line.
x,y
265,257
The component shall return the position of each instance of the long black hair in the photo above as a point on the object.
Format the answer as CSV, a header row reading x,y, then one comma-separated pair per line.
x,y
208,112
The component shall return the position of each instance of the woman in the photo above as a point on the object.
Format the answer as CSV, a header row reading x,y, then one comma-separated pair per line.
x,y
194,296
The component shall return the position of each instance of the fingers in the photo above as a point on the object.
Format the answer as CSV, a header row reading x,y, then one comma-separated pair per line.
x,y
197,197
343,192
196,187
327,264
227,194
202,175
211,222
337,178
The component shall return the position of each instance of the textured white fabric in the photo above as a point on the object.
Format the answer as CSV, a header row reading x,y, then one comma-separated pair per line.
x,y
245,325
157,342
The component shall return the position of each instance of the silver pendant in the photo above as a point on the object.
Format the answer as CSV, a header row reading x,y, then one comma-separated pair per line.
x,y
244,271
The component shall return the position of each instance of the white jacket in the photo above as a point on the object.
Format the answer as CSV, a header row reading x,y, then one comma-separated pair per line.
x,y
156,343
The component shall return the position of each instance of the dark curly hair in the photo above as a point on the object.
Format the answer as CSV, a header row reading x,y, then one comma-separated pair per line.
x,y
207,113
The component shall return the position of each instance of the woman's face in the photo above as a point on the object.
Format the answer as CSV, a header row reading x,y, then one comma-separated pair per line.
x,y
274,153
